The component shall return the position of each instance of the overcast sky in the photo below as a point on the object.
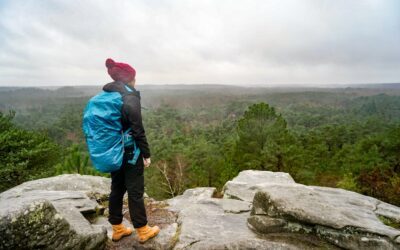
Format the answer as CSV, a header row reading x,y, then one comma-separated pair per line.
x,y
240,42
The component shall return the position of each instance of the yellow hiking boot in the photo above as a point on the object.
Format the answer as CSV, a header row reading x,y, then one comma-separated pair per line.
x,y
144,233
120,231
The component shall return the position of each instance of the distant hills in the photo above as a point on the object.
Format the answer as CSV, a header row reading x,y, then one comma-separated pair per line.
x,y
94,88
378,86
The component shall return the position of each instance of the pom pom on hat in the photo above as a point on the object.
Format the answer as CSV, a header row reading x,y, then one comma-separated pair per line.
x,y
120,71
110,63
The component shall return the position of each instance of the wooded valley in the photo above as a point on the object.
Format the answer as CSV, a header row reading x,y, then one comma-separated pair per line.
x,y
203,135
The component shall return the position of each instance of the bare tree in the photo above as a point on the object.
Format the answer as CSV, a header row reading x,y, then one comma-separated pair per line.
x,y
174,179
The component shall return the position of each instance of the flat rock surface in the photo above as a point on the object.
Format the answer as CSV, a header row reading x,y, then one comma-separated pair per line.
x,y
68,182
191,196
211,223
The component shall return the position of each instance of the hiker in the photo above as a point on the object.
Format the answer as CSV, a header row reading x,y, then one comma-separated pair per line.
x,y
130,176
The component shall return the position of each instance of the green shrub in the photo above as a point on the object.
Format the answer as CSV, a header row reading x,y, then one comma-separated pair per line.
x,y
349,182
24,155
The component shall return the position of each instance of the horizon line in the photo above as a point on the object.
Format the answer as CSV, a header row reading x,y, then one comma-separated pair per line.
x,y
284,85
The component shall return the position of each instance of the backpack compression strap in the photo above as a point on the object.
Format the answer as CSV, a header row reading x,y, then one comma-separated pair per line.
x,y
128,141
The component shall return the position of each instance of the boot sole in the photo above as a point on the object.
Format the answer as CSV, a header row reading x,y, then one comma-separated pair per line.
x,y
115,240
151,236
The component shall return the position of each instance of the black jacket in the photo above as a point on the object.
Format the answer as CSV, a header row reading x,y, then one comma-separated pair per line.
x,y
131,114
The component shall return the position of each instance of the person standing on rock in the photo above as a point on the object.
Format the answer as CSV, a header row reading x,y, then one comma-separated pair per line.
x,y
130,176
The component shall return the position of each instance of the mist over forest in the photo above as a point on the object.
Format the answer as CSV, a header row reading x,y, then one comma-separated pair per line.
x,y
204,135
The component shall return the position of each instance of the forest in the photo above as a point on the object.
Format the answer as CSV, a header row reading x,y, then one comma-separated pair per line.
x,y
203,135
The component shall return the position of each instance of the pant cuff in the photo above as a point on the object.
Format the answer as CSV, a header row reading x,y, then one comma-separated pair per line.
x,y
114,222
139,225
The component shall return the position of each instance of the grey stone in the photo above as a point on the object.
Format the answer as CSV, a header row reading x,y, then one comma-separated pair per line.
x,y
40,225
50,211
191,196
389,211
79,200
344,218
265,224
246,244
353,240
260,210
245,185
206,226
67,182
211,223
229,205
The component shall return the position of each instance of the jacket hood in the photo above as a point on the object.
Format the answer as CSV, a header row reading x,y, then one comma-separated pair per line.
x,y
121,88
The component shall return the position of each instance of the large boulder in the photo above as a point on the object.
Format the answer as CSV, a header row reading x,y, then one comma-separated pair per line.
x,y
50,213
191,196
343,218
245,185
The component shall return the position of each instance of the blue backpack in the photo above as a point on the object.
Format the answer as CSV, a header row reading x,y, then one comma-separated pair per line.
x,y
105,137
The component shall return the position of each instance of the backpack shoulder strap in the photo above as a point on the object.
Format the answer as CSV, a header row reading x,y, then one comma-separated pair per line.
x,y
128,91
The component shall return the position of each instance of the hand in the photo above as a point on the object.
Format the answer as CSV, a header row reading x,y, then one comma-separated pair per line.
x,y
146,162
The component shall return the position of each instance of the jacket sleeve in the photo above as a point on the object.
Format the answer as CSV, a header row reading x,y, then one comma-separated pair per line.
x,y
132,110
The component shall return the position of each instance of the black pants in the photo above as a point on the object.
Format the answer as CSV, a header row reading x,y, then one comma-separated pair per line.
x,y
128,178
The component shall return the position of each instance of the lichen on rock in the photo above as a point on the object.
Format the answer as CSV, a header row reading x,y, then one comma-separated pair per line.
x,y
41,214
